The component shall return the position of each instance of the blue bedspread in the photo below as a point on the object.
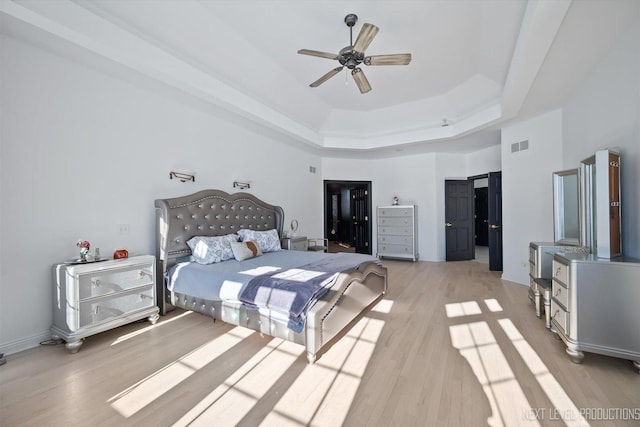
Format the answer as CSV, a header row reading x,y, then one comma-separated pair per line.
x,y
292,291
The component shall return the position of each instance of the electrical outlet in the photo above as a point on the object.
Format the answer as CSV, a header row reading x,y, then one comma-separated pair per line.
x,y
123,228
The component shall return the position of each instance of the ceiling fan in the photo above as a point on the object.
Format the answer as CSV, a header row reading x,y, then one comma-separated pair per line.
x,y
353,55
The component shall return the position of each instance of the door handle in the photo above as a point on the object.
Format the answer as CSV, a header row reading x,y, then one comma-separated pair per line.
x,y
448,224
493,226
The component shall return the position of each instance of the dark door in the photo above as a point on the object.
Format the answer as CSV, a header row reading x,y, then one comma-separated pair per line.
x,y
495,221
482,216
360,219
459,222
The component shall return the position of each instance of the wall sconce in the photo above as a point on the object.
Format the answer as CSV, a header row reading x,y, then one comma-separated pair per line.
x,y
183,177
241,185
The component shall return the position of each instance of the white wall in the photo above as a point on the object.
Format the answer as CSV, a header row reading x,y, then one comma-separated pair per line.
x,y
527,193
605,113
81,152
419,180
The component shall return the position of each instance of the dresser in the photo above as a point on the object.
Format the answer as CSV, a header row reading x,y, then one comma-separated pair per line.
x,y
594,305
90,298
398,232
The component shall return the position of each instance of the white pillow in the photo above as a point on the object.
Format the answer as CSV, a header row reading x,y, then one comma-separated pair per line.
x,y
210,249
245,250
268,241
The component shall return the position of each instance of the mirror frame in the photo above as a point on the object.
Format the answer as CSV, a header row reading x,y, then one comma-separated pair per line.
x,y
559,225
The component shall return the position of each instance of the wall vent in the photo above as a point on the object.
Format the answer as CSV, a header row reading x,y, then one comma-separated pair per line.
x,y
520,146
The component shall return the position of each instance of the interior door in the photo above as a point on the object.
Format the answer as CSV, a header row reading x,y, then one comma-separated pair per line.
x,y
360,220
495,221
459,221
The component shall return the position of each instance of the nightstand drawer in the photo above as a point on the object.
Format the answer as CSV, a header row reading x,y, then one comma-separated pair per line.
x,y
102,309
105,282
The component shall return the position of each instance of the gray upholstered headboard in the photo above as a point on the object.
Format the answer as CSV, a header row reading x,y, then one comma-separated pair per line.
x,y
205,213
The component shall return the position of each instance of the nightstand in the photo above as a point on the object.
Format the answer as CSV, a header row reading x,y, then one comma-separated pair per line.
x,y
319,244
90,298
295,243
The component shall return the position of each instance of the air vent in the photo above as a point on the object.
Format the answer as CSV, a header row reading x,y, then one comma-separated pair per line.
x,y
520,146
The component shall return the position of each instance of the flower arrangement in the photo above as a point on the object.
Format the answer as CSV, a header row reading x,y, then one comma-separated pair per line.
x,y
84,249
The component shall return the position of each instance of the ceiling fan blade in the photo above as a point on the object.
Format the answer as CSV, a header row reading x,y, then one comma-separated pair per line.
x,y
361,80
366,35
318,53
326,77
395,59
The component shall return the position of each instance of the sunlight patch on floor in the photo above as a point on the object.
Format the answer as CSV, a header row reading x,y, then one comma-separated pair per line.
x,y
459,309
139,395
478,346
323,393
231,401
384,306
493,305
565,408
148,328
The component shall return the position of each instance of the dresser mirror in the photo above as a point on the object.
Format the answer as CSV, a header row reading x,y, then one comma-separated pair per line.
x,y
566,207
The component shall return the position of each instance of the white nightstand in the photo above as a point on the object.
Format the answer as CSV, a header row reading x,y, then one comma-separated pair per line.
x,y
295,243
94,297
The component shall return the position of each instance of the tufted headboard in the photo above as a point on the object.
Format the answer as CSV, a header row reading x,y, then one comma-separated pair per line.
x,y
205,213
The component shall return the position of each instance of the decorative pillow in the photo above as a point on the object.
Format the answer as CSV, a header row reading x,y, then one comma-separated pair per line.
x,y
268,241
245,250
210,249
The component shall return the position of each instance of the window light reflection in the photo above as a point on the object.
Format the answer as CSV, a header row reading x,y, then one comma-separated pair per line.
x,y
139,395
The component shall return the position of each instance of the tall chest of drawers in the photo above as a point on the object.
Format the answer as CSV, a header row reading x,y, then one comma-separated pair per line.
x,y
398,232
95,297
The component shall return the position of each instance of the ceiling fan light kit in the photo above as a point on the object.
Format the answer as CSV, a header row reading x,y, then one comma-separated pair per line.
x,y
353,55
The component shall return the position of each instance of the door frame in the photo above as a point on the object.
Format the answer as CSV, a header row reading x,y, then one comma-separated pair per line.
x,y
486,175
346,184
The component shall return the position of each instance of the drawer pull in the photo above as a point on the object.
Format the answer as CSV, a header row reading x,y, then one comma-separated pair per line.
x,y
557,271
97,309
558,291
556,313
95,283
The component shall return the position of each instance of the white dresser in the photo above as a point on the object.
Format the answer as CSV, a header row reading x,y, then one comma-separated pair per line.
x,y
95,297
398,232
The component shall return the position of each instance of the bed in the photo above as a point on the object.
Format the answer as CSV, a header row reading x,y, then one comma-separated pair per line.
x,y
344,297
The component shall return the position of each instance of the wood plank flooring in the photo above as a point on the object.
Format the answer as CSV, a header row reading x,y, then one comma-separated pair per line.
x,y
432,353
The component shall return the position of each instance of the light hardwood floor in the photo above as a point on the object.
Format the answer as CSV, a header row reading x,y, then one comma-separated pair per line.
x,y
431,353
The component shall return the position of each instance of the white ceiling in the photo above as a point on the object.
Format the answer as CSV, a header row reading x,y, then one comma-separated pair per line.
x,y
476,63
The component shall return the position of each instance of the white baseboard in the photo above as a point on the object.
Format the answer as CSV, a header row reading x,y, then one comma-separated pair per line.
x,y
24,343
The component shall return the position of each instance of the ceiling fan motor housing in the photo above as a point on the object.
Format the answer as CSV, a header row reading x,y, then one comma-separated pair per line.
x,y
350,58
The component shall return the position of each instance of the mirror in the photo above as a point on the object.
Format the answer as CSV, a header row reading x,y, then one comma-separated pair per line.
x,y
566,207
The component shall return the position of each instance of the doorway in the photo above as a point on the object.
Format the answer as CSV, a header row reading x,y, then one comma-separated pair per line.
x,y
347,216
473,219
